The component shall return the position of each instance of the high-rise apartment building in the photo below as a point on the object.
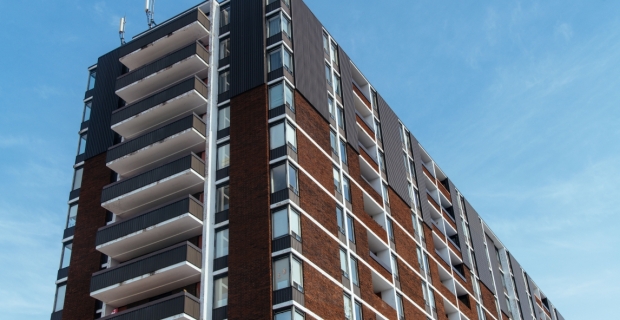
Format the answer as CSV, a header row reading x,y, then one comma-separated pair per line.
x,y
234,163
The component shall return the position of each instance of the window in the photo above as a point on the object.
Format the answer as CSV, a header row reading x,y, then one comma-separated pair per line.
x,y
407,140
386,197
343,151
481,315
344,263
337,180
420,259
224,48
289,315
279,58
340,220
277,24
223,156
224,82
333,142
77,178
287,272
66,255
73,210
330,104
325,43
416,197
382,161
394,266
406,162
378,126
87,108
92,76
400,132
351,229
390,228
337,86
220,292
221,243
328,74
82,144
429,297
280,94
354,274
283,176
348,311
60,297
410,190
224,16
341,117
286,221
222,199
282,134
223,118
334,51
358,311
346,188
399,304
412,169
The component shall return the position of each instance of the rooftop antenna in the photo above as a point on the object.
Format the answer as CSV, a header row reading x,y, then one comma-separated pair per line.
x,y
150,12
121,31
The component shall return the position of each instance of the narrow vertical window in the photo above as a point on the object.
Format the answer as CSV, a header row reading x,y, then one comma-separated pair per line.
x,y
223,156
274,60
223,118
341,118
66,255
325,43
276,136
337,85
292,179
224,48
344,263
340,219
278,178
224,82
82,144
92,76
220,292
221,243
87,108
358,311
279,223
286,27
287,61
354,274
222,199
77,178
399,304
289,99
337,184
276,95
60,297
291,136
390,228
386,196
330,105
348,311
394,266
334,53
73,210
328,74
378,130
224,16
351,228
343,151
346,188
274,26
333,142
382,161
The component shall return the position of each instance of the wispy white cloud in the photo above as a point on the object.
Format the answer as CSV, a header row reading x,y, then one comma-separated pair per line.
x,y
564,30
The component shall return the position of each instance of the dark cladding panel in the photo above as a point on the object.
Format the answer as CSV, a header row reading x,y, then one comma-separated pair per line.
x,y
503,304
396,171
456,204
530,284
247,45
309,57
419,173
521,289
100,136
347,92
477,239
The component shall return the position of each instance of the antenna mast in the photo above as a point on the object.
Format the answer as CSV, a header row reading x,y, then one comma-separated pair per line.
x,y
121,31
150,13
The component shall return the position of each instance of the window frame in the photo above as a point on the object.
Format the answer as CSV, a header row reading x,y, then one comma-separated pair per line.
x,y
346,189
291,282
56,295
350,228
92,79
288,168
340,219
75,178
338,186
344,255
71,206
64,256
82,143
215,242
287,126
343,152
225,196
224,45
218,160
227,117
340,115
88,105
216,304
223,81
227,16
290,211
334,53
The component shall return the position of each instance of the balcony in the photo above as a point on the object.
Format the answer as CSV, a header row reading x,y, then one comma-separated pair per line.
x,y
148,276
160,228
155,187
189,27
176,66
362,123
157,147
176,101
181,306
362,98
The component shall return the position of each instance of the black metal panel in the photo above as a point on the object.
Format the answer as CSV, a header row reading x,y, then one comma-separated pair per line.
x,y
74,194
127,185
157,135
309,58
223,133
279,196
221,216
396,170
477,239
222,173
288,294
497,275
154,217
56,315
220,263
84,125
143,265
247,45
68,232
521,288
105,100
459,223
220,313
62,273
275,74
347,94
164,308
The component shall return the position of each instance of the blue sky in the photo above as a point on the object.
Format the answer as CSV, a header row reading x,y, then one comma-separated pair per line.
x,y
514,100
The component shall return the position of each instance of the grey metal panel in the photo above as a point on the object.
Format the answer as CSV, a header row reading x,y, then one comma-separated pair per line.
x,y
347,92
247,45
100,136
396,171
421,182
477,239
497,275
459,223
517,271
309,58
530,284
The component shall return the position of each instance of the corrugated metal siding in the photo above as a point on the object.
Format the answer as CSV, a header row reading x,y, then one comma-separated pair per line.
x,y
530,284
459,223
309,58
347,95
521,290
247,45
419,172
100,136
477,239
497,275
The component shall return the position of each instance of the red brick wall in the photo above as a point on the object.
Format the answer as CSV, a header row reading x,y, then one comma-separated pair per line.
x,y
85,260
249,259
312,122
322,296
320,248
488,300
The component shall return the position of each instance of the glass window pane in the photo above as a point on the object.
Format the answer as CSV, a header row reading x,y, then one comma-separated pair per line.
x,y
390,228
351,229
348,312
399,303
325,43
60,298
91,79
224,48
288,97
341,118
286,315
346,188
358,311
273,26
340,219
394,265
223,118
297,273
276,95
291,136
276,136
328,74
378,126
87,109
330,104
287,60
73,209
224,82
286,27
225,16
337,86
337,180
278,178
344,265
66,255
274,60
354,275
295,222
281,274
82,144
334,51
220,295
292,178
298,316
332,142
343,151
77,178
279,222
221,243
223,156
222,199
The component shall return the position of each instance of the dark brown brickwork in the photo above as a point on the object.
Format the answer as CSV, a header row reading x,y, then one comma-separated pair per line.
x,y
316,163
320,248
400,211
317,203
488,300
322,296
249,259
358,210
470,311
312,122
411,285
412,312
369,296
85,260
